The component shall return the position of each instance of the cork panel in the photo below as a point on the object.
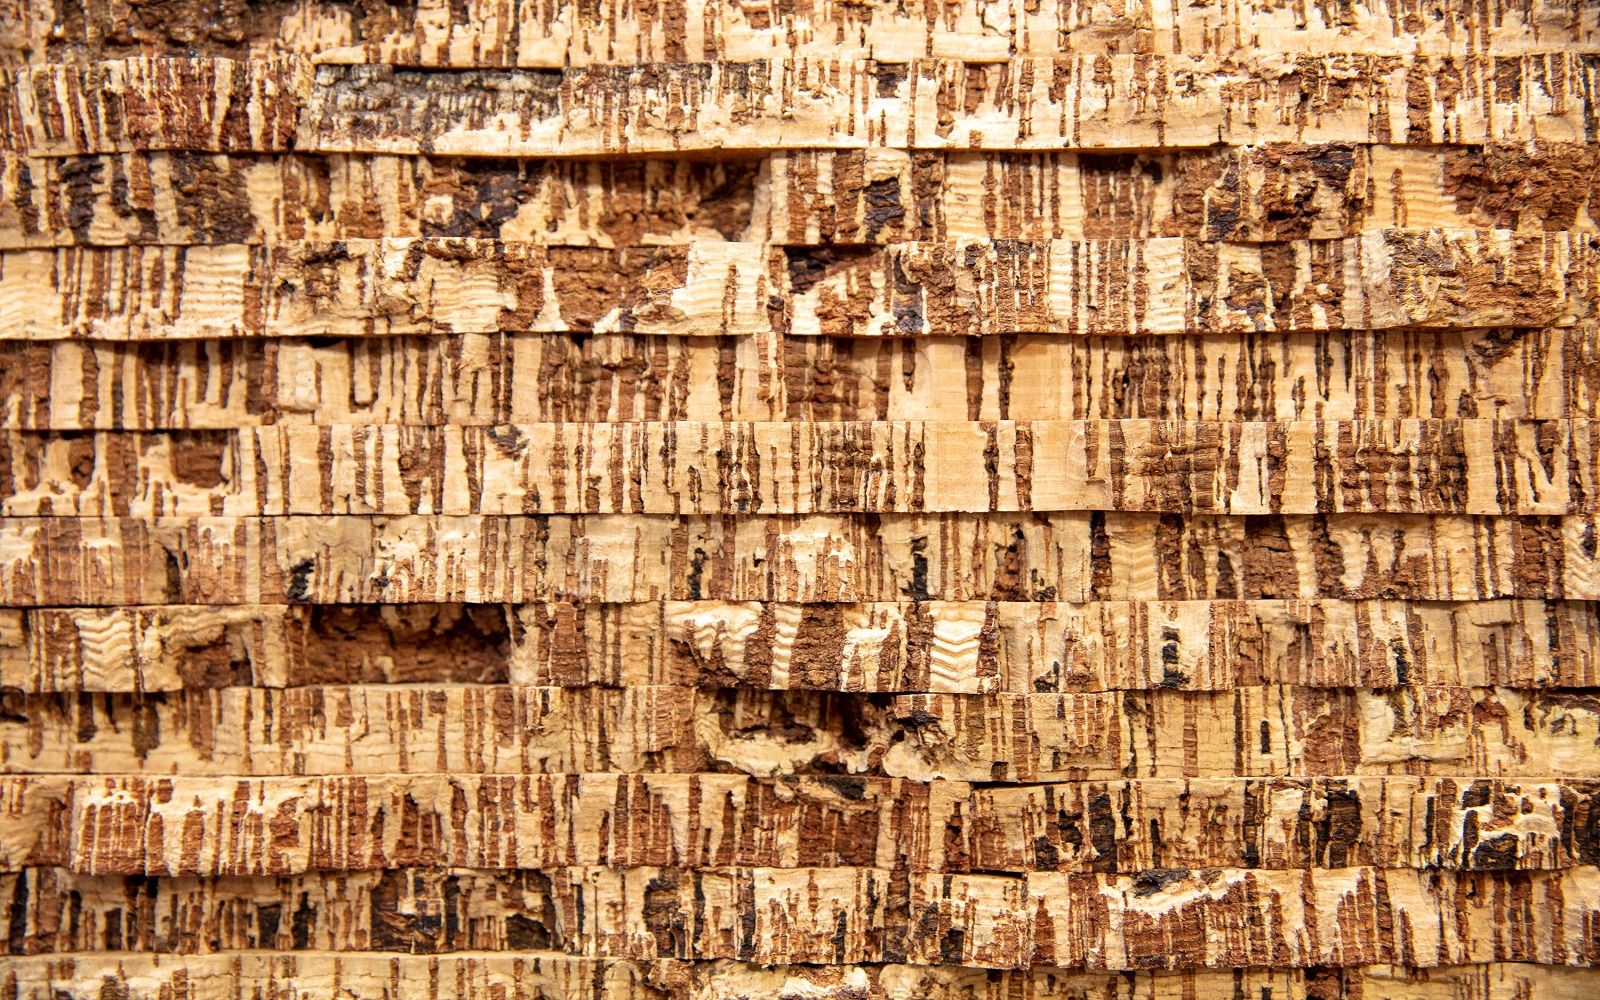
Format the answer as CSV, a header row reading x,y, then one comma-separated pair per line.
x,y
872,647
1394,278
111,825
1265,192
935,646
1247,732
1290,467
503,33
970,648
199,198
480,379
1390,822
1045,103
217,105
176,646
59,561
324,976
1165,919
379,287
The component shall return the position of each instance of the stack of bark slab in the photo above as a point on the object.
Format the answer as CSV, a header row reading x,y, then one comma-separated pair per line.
x,y
799,499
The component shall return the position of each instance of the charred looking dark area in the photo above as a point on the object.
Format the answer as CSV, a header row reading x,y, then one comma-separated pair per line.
x,y
232,28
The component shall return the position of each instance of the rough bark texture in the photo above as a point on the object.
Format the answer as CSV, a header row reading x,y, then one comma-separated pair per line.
x,y
799,500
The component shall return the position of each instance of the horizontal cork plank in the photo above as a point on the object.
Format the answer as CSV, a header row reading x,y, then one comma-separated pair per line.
x,y
375,287
1247,732
691,467
1163,919
1393,278
505,33
217,105
321,975
1038,102
121,825
318,975
878,196
61,561
937,646
1069,101
470,380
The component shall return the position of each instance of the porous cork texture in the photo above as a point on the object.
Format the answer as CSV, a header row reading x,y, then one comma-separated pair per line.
x,y
799,500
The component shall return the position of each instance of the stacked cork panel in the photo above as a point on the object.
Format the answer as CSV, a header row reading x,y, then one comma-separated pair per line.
x,y
799,500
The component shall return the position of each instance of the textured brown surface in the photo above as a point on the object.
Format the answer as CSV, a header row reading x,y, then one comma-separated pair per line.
x,y
1444,278
799,500
1123,101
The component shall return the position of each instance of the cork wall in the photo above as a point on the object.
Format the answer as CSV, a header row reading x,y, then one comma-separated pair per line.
x,y
799,499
